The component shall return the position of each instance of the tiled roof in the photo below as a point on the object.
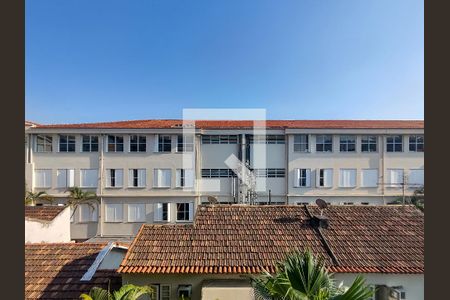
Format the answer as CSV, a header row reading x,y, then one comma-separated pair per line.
x,y
53,271
43,213
237,124
245,239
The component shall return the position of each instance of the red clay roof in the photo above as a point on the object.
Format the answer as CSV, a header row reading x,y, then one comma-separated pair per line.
x,y
230,124
43,213
53,271
246,239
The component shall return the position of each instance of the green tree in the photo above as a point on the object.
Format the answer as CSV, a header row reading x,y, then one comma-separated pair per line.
x,y
302,276
77,197
32,198
126,292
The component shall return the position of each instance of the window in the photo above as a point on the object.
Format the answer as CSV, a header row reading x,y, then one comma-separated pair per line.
x,y
394,143
369,143
136,177
90,143
88,177
114,177
185,178
416,178
185,143
162,178
324,143
416,143
162,212
164,143
266,139
65,178
347,143
136,212
347,177
269,173
185,211
184,291
88,213
302,177
165,292
44,143
43,178
113,212
395,177
219,139
325,178
138,143
217,173
301,143
115,143
66,143
369,178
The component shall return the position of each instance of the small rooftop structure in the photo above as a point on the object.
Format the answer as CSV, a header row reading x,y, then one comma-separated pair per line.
x,y
43,213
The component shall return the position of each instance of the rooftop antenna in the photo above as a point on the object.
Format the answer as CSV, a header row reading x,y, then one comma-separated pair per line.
x,y
321,204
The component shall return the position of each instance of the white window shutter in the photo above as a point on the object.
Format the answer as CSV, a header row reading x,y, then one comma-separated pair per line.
x,y
108,177
178,178
155,148
353,178
158,212
119,177
141,177
155,177
308,177
369,178
71,177
416,177
167,178
296,177
61,178
132,213
191,211
94,214
168,211
328,180
130,177
118,216
189,177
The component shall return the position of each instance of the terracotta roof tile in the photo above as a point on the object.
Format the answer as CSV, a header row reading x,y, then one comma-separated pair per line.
x,y
237,124
245,239
43,213
54,270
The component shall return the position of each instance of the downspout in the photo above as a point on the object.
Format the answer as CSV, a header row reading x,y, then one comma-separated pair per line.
x,y
197,162
382,149
100,215
287,166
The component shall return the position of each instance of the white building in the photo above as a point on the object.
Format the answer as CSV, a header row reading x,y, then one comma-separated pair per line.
x,y
159,170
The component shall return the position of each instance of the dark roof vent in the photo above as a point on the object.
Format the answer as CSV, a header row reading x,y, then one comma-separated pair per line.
x,y
320,222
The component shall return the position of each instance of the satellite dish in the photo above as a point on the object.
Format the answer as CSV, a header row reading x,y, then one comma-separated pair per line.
x,y
321,204
212,200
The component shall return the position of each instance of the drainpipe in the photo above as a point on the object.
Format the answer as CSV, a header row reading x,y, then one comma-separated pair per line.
x,y
286,146
382,149
197,164
100,214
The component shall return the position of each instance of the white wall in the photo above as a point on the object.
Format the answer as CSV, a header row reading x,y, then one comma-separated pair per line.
x,y
413,284
56,231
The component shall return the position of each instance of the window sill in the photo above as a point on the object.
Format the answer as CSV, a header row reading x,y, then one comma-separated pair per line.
x,y
136,187
347,187
135,222
183,221
113,187
162,187
88,187
86,222
114,222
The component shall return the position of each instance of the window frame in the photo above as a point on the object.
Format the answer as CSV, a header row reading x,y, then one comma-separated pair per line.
x,y
322,178
107,220
71,140
301,143
109,178
47,141
138,175
299,177
163,143
415,143
81,179
365,141
90,143
185,145
324,144
341,183
69,175
141,146
112,146
93,215
47,183
394,143
362,177
157,180
345,143
395,185
188,210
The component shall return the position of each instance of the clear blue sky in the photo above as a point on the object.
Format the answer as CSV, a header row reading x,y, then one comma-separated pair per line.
x,y
118,60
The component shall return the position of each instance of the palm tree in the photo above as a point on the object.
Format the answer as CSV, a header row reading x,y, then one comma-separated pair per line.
x,y
77,197
126,292
301,276
31,198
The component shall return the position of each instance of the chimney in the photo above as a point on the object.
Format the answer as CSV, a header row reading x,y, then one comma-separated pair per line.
x,y
320,222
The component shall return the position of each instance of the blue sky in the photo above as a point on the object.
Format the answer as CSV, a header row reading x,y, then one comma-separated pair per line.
x,y
109,60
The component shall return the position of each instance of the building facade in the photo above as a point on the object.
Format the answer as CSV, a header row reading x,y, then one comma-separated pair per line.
x,y
158,171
